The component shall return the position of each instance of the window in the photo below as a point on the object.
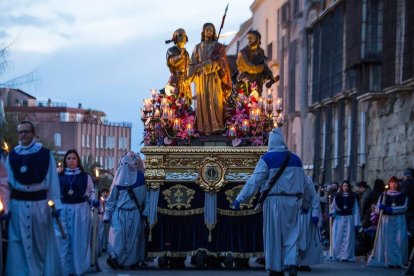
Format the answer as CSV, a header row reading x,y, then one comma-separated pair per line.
x,y
362,139
336,142
57,140
285,14
79,117
349,138
122,143
102,142
327,55
83,141
64,116
97,141
87,140
270,51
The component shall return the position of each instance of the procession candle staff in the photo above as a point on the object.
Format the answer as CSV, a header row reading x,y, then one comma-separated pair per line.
x,y
384,197
51,204
95,211
330,227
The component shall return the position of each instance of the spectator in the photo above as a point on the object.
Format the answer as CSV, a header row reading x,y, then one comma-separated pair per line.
x,y
372,198
362,190
346,221
391,244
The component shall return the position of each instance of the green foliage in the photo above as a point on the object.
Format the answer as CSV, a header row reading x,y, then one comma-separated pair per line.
x,y
8,130
106,176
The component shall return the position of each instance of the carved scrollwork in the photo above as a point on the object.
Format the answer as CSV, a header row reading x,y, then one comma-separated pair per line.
x,y
154,177
182,162
211,175
240,162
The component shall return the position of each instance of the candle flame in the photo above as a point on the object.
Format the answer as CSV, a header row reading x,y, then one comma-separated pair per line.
x,y
96,172
1,206
5,146
102,198
51,203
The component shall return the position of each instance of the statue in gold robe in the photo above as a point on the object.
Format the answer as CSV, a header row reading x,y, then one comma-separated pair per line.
x,y
210,72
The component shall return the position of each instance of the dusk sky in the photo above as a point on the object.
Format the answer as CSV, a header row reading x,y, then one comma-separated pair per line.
x,y
105,54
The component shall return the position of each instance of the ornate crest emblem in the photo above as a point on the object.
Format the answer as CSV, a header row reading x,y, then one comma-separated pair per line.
x,y
231,195
179,196
211,175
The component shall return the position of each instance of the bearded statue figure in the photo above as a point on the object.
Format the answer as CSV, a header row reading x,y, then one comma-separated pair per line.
x,y
252,63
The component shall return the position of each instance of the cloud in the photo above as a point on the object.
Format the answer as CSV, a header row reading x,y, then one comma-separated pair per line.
x,y
27,20
49,26
67,17
4,34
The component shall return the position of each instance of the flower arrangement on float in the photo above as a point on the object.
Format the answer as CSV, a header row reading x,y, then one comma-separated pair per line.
x,y
167,117
251,117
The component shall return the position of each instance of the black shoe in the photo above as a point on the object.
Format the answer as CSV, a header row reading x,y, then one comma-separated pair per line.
x,y
276,273
136,266
293,271
242,263
113,263
304,268
261,261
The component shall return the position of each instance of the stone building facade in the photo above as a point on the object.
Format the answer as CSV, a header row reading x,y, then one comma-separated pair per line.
x,y
347,79
356,91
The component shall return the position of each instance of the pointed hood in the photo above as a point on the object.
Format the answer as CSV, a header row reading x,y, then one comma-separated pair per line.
x,y
276,140
127,170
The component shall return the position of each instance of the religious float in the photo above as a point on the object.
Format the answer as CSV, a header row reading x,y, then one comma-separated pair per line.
x,y
199,151
194,178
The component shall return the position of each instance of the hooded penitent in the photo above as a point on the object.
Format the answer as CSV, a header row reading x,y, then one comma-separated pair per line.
x,y
127,170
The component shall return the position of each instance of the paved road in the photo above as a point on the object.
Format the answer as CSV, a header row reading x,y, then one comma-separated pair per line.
x,y
329,268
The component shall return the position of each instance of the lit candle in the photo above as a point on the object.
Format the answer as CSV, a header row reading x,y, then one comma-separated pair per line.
x,y
96,172
165,113
189,129
252,111
279,105
5,147
147,104
257,115
260,102
164,103
153,93
170,114
232,131
245,126
176,124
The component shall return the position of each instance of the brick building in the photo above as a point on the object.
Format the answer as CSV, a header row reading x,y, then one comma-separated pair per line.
x,y
61,128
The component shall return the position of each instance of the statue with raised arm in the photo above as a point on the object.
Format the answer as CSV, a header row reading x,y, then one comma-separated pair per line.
x,y
210,72
178,61
252,63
